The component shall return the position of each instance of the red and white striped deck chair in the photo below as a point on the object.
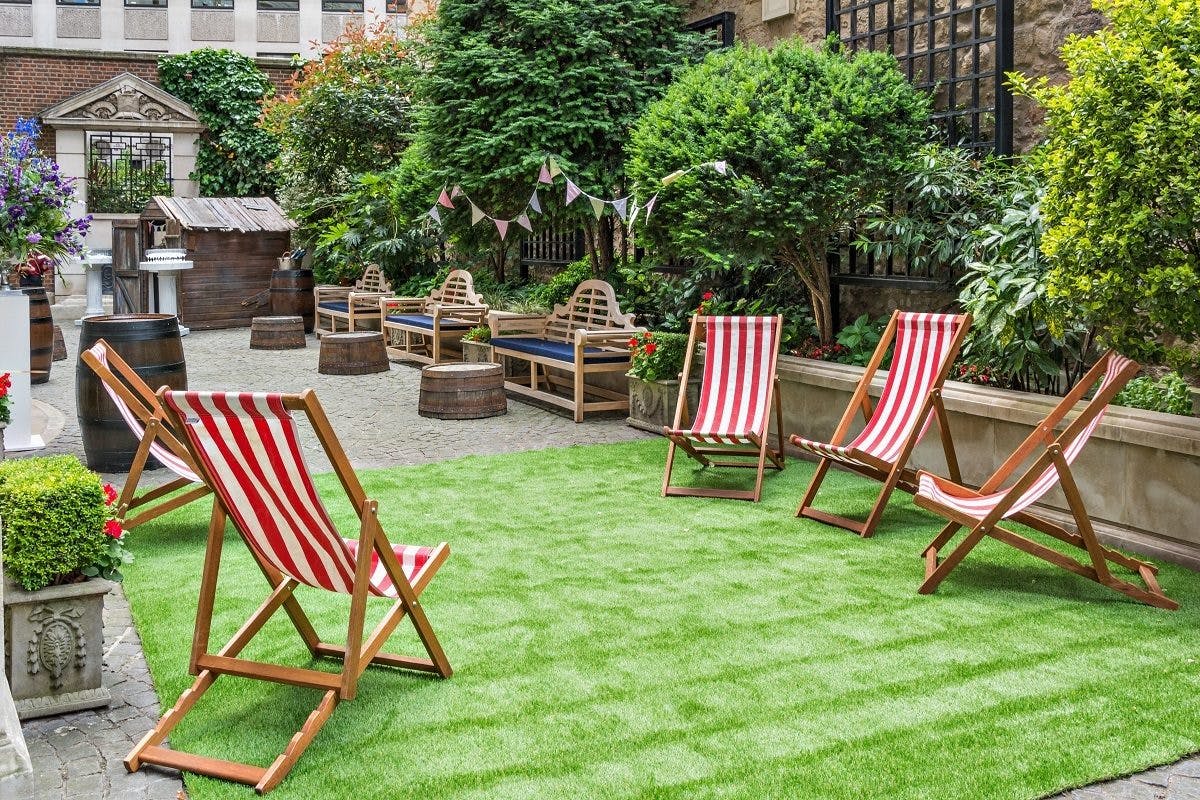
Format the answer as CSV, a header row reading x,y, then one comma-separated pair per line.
x,y
142,412
982,510
246,447
926,346
733,413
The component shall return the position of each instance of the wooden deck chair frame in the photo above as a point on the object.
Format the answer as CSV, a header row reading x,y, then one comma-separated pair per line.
x,y
143,404
759,449
1052,456
896,475
356,655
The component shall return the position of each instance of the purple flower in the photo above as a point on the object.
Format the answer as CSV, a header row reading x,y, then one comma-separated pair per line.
x,y
33,238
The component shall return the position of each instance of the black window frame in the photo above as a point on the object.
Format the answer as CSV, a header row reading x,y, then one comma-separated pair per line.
x,y
83,3
325,6
278,5
212,5
146,3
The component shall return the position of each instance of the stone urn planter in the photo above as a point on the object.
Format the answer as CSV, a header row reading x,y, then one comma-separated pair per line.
x,y
652,403
54,641
477,352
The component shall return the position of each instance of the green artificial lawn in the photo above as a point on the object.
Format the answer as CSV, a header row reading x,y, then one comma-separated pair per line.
x,y
610,643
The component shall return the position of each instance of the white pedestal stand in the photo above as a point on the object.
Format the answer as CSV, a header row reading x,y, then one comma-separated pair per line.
x,y
14,358
167,264
95,264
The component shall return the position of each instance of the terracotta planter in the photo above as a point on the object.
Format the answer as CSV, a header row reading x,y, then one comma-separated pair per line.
x,y
652,403
54,641
477,352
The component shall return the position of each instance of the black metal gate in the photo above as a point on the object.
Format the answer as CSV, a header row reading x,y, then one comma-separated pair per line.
x,y
958,50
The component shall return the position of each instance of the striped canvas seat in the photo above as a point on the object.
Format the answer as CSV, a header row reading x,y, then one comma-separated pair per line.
x,y
737,392
247,448
925,348
982,510
143,414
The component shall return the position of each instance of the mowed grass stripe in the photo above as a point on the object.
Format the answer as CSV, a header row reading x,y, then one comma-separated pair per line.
x,y
611,643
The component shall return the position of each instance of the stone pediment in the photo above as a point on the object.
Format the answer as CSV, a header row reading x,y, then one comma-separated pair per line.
x,y
125,102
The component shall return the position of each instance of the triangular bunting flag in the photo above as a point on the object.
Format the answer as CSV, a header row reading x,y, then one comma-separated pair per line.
x,y
444,200
524,222
476,214
502,226
437,215
555,171
597,206
674,176
573,191
534,203
633,217
650,206
544,175
456,191
620,207
719,166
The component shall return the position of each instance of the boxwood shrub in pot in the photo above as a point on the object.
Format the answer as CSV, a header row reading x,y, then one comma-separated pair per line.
x,y
656,359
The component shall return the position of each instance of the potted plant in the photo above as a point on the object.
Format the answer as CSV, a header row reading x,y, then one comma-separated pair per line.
x,y
656,360
476,345
62,545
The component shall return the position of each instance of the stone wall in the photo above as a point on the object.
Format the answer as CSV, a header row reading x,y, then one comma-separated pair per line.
x,y
33,79
1041,28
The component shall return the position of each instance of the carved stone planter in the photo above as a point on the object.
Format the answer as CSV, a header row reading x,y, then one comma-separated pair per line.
x,y
652,403
477,352
54,640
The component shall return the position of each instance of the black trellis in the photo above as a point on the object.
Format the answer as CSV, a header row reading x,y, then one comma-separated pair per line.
x,y
958,50
124,170
719,27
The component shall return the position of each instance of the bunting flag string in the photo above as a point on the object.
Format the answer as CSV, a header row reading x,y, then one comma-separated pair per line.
x,y
550,170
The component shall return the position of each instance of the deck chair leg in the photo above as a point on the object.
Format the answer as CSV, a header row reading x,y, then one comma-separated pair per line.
x,y
929,586
868,529
1082,523
931,552
208,585
291,754
162,730
762,466
670,465
778,400
943,422
814,486
126,500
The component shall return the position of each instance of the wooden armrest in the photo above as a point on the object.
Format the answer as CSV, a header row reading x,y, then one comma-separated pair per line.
x,y
406,304
477,314
341,292
533,324
614,336
373,297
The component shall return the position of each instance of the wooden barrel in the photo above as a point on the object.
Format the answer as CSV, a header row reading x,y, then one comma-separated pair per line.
x,y
276,333
60,345
462,391
292,295
356,353
150,343
41,335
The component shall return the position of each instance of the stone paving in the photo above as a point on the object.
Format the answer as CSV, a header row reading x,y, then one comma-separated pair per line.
x,y
79,755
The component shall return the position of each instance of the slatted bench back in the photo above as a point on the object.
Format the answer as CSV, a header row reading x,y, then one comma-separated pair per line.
x,y
593,306
458,290
372,280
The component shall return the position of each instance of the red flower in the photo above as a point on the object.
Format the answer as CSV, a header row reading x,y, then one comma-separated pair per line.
x,y
110,494
113,528
633,342
650,347
706,296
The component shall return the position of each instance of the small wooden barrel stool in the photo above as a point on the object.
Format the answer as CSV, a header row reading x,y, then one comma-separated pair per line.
x,y
356,353
60,345
462,391
276,333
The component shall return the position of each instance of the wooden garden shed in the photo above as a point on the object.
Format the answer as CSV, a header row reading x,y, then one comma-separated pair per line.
x,y
234,244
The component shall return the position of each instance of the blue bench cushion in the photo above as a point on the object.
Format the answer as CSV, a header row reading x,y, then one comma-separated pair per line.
x,y
336,305
426,321
560,351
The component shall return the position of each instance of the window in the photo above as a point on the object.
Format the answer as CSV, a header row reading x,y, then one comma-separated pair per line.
x,y
342,6
223,5
397,6
278,5
145,3
79,2
17,2
124,170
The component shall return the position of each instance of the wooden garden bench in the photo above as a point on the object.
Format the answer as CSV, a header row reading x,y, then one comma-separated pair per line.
x,y
585,337
451,311
351,304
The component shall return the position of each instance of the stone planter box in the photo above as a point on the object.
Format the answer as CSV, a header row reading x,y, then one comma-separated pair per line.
x,y
477,352
54,640
1138,474
652,403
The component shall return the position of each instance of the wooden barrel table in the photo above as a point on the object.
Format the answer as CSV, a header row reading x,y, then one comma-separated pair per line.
x,y
277,333
292,295
41,335
150,343
462,391
355,353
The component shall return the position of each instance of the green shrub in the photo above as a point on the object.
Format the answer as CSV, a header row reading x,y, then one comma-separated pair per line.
x,y
860,338
53,514
561,286
809,137
1122,203
480,333
1168,394
657,356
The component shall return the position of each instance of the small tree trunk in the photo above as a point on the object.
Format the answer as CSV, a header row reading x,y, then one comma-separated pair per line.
x,y
814,274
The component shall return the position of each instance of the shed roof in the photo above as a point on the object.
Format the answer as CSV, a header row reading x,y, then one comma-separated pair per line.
x,y
241,214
